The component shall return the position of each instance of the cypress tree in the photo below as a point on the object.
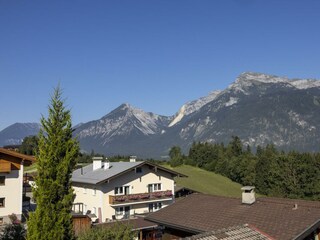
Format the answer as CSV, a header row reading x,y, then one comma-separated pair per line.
x,y
56,159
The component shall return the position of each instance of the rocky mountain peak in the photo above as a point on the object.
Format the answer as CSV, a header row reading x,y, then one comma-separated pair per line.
x,y
247,80
193,106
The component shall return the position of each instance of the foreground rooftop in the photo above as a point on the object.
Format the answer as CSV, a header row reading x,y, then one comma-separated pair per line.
x,y
278,218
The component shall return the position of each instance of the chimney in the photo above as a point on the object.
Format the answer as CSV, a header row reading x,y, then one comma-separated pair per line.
x,y
106,164
133,158
248,195
97,162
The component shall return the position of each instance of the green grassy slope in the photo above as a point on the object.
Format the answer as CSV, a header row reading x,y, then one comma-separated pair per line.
x,y
30,169
207,182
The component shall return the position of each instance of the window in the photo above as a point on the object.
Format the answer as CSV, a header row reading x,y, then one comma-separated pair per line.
x,y
94,211
157,186
84,190
154,187
123,211
118,190
119,211
94,191
122,190
153,207
2,180
2,202
138,170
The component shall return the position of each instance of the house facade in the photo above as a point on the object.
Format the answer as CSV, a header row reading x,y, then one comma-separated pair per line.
x,y
11,183
118,190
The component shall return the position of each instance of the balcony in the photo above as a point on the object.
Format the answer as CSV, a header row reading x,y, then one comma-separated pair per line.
x,y
140,197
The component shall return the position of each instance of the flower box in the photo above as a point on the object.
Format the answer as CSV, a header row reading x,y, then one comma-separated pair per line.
x,y
168,194
120,198
157,194
133,197
145,196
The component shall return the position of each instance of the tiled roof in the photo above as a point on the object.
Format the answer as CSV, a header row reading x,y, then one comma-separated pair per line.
x,y
242,232
276,217
137,223
88,175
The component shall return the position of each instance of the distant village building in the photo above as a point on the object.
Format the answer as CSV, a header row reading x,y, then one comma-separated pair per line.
x,y
180,191
11,183
118,190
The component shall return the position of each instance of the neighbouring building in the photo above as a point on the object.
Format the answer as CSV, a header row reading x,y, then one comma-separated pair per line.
x,y
208,215
242,232
118,190
144,229
180,191
11,183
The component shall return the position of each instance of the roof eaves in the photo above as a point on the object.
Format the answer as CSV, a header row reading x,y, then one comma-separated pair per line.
x,y
175,226
139,165
166,169
308,231
18,155
84,181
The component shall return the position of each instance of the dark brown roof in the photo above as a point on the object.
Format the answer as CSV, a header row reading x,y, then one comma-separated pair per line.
x,y
179,188
274,216
137,223
242,232
28,159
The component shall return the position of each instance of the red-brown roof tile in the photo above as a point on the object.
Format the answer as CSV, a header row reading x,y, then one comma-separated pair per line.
x,y
242,232
137,223
274,216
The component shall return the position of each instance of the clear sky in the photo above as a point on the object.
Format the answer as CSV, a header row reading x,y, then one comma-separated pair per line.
x,y
154,54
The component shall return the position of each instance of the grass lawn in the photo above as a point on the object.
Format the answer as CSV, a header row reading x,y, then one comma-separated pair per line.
x,y
30,169
207,182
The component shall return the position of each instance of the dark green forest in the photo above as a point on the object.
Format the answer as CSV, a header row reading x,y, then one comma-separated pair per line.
x,y
273,172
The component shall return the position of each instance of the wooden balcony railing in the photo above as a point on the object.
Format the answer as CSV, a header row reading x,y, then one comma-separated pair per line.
x,y
140,197
5,167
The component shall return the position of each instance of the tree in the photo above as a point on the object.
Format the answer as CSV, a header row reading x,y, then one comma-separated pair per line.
x,y
29,145
175,156
56,159
235,146
13,231
118,231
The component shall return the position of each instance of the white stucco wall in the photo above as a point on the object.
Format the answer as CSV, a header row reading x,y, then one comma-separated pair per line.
x,y
12,192
137,182
85,194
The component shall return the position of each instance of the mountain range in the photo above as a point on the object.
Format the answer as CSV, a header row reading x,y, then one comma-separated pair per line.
x,y
259,108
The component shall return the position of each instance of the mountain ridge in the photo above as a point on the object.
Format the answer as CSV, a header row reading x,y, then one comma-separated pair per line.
x,y
259,108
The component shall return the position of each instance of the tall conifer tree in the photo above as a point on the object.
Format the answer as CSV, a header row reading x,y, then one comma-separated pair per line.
x,y
56,159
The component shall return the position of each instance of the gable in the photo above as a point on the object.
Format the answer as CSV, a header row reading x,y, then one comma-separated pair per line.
x,y
116,169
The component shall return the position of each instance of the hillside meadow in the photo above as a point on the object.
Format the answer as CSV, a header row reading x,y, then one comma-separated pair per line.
x,y
206,182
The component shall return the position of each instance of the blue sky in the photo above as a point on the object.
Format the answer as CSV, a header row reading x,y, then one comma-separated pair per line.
x,y
155,55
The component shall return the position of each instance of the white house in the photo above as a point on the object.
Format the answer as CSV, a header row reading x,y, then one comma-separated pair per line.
x,y
116,190
11,183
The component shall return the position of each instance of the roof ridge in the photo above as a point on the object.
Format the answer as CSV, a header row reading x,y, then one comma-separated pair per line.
x,y
290,201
